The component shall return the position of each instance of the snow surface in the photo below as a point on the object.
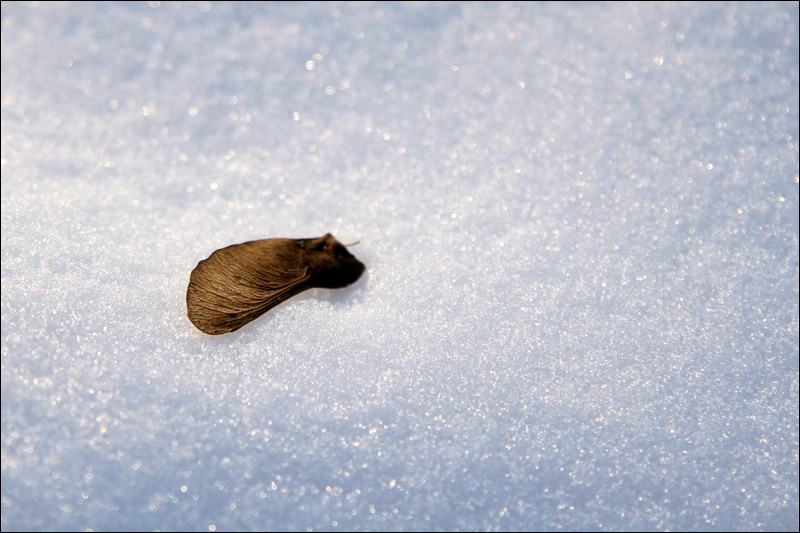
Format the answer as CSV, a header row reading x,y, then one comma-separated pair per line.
x,y
580,223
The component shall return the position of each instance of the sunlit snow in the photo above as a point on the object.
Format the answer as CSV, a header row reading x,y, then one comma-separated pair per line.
x,y
580,226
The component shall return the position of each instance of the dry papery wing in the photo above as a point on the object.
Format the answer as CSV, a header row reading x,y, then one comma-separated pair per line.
x,y
239,283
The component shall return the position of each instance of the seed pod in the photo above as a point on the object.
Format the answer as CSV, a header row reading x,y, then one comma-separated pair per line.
x,y
240,283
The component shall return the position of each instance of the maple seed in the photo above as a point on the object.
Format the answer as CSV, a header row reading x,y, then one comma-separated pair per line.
x,y
239,283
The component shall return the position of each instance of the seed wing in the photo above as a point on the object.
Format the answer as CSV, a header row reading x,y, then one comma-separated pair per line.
x,y
239,283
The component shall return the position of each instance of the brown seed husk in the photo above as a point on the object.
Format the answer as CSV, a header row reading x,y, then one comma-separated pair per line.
x,y
239,283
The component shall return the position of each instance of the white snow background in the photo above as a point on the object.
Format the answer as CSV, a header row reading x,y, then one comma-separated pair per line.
x,y
580,223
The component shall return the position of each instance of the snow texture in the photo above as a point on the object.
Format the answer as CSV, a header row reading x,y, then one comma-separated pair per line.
x,y
580,223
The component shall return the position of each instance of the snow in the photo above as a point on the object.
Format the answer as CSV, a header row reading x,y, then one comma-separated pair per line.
x,y
580,223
